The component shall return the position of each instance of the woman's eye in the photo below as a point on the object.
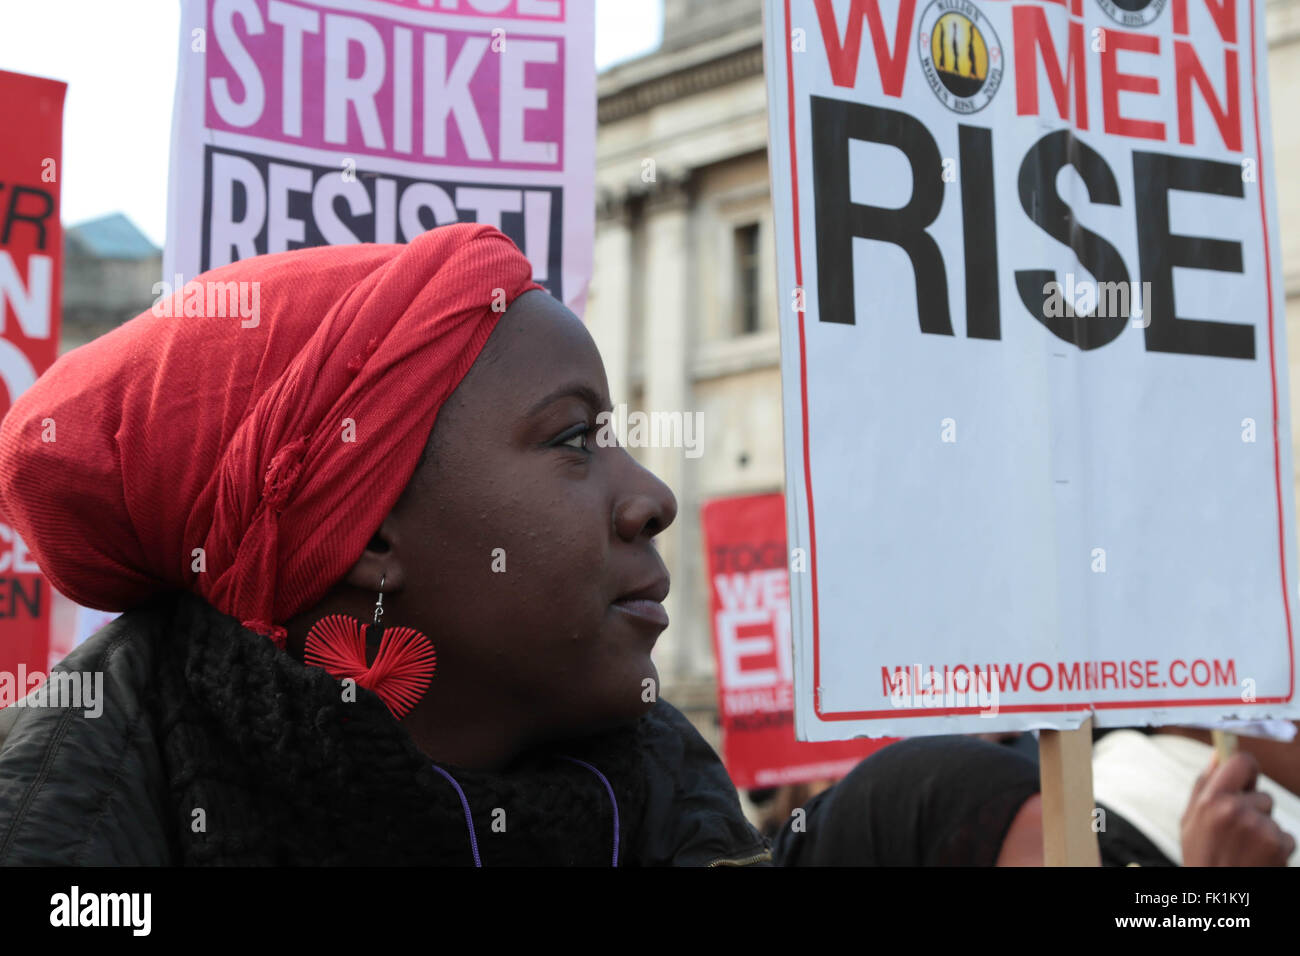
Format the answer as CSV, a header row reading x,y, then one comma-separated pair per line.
x,y
575,439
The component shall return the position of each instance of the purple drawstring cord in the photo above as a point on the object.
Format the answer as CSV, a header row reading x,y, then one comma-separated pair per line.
x,y
613,802
469,817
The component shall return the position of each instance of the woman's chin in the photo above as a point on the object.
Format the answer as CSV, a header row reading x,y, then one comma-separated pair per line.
x,y
629,698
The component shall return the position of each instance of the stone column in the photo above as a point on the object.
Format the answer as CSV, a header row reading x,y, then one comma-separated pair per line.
x,y
609,304
667,330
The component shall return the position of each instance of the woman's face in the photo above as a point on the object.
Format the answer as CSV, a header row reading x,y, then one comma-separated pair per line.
x,y
525,548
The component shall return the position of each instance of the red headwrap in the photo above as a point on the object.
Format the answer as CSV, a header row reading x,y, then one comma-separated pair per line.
x,y
276,447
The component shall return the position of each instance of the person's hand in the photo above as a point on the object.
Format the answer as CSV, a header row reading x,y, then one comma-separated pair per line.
x,y
1228,823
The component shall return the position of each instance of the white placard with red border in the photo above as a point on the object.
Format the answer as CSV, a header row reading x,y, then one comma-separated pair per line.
x,y
1038,449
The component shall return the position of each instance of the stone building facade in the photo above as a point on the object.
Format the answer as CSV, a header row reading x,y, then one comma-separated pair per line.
x,y
683,299
109,271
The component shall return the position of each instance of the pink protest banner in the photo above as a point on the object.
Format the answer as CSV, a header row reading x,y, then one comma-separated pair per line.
x,y
316,122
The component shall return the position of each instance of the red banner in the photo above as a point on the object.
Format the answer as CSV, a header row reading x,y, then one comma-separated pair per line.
x,y
750,600
31,277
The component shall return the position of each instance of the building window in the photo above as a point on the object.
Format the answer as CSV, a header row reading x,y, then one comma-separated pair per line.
x,y
745,260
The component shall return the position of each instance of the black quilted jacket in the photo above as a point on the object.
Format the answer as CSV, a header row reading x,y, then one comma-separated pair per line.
x,y
191,762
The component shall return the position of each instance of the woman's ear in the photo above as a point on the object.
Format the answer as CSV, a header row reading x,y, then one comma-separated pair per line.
x,y
380,561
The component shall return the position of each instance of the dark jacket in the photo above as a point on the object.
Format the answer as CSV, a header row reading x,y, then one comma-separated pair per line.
x,y
119,788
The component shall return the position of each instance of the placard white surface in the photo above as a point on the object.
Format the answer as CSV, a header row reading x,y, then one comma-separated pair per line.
x,y
1092,511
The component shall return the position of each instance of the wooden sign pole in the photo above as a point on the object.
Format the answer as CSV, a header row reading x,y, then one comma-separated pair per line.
x,y
1225,744
1065,776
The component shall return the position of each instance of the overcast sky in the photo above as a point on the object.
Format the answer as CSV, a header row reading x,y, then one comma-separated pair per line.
x,y
118,58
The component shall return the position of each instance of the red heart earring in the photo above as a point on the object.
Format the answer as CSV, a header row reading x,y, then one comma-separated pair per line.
x,y
401,671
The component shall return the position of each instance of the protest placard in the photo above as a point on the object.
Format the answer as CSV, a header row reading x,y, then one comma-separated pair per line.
x,y
31,279
750,606
321,122
1036,410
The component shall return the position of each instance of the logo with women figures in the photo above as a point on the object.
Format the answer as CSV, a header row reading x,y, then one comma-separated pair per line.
x,y
1133,13
961,55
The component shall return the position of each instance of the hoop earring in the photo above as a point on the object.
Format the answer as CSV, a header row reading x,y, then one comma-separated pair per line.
x,y
402,669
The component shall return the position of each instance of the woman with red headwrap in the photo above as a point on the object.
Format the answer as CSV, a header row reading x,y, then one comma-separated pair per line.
x,y
387,599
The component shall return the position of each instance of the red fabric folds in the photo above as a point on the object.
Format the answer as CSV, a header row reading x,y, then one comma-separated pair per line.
x,y
215,432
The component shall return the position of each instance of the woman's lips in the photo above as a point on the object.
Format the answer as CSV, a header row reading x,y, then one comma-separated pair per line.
x,y
643,609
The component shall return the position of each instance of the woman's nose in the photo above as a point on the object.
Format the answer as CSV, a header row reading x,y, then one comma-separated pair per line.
x,y
647,507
